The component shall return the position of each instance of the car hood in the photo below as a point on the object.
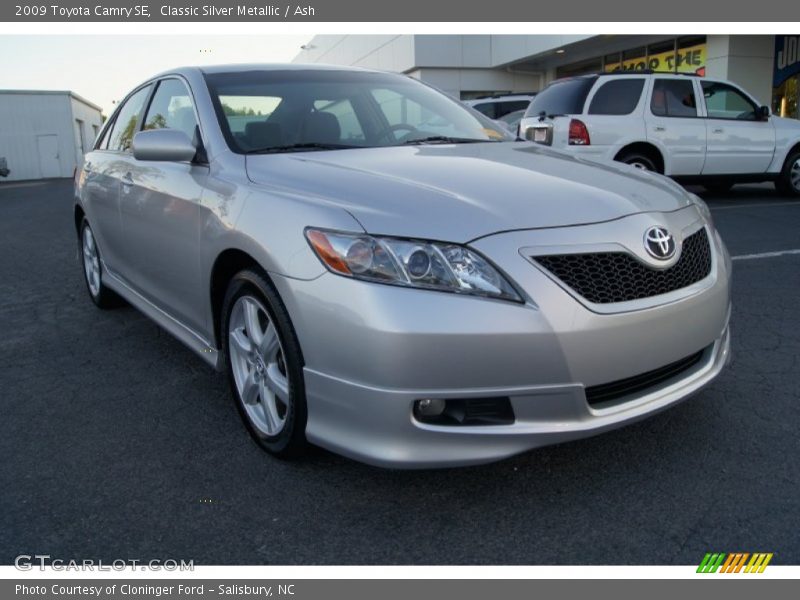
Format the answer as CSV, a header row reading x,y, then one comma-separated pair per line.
x,y
459,192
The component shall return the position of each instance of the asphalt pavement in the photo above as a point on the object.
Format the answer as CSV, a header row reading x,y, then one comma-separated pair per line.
x,y
118,443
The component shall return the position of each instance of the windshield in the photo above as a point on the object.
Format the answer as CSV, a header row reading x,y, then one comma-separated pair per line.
x,y
276,111
564,97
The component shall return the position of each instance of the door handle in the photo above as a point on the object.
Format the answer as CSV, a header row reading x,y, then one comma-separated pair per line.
x,y
659,128
718,130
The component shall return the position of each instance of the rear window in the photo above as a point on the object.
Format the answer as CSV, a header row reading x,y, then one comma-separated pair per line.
x,y
496,110
617,97
564,97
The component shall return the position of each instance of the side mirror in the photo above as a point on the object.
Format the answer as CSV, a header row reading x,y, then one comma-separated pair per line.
x,y
163,145
763,113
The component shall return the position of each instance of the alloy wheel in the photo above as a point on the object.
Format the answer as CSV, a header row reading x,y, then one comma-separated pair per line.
x,y
91,262
794,175
257,362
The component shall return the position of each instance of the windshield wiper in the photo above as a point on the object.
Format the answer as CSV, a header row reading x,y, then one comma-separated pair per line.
x,y
443,139
302,147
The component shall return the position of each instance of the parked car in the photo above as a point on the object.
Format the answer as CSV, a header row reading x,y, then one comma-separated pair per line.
x,y
496,107
401,297
511,121
693,129
4,170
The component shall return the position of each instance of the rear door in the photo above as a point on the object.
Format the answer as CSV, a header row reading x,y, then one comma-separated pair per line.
x,y
738,142
674,123
102,173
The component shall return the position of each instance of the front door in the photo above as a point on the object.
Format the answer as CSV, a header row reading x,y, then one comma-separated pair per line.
x,y
161,214
738,141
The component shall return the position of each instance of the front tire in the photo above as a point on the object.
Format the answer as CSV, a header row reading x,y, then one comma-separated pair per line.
x,y
265,365
788,181
101,295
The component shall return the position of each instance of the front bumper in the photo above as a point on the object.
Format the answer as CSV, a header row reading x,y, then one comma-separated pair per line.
x,y
372,350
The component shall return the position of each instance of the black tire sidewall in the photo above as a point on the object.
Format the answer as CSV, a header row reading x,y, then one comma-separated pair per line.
x,y
290,441
784,183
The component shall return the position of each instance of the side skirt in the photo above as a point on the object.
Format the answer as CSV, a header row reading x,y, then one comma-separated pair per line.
x,y
190,338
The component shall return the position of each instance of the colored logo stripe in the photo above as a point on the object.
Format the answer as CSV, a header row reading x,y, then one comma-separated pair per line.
x,y
734,562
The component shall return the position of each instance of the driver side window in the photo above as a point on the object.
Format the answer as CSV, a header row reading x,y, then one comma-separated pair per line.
x,y
726,102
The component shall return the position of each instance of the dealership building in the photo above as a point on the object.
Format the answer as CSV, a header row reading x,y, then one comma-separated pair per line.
x,y
469,66
45,134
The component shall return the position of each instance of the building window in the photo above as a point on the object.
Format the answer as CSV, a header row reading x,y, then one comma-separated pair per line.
x,y
681,55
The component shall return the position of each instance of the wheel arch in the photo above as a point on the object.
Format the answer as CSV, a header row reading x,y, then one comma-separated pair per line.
x,y
227,264
78,216
648,149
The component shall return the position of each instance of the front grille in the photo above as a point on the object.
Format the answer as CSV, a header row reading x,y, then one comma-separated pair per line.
x,y
605,277
608,392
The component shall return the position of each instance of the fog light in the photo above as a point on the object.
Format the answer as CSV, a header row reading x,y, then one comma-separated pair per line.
x,y
429,407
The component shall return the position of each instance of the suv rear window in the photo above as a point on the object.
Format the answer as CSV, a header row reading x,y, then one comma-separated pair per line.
x,y
617,97
496,110
564,97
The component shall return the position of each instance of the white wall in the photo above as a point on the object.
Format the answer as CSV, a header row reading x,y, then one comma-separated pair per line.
x,y
23,117
744,59
90,117
385,52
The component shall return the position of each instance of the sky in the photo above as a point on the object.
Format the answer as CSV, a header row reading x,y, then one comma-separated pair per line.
x,y
104,68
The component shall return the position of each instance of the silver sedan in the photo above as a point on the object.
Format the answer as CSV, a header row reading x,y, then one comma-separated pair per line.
x,y
382,272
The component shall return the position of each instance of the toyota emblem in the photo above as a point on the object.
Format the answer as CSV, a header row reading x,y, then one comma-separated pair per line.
x,y
659,243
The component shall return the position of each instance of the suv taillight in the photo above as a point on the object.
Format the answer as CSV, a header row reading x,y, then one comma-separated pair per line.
x,y
578,134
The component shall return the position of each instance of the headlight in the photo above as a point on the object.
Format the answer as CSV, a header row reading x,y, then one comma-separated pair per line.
x,y
410,263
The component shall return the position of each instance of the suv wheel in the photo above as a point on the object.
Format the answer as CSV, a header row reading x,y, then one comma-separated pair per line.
x,y
265,365
788,181
638,160
101,295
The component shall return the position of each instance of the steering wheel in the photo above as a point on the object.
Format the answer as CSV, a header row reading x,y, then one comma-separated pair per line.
x,y
384,133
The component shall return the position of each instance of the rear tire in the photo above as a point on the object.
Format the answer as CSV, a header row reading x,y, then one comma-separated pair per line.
x,y
264,364
101,295
788,181
638,160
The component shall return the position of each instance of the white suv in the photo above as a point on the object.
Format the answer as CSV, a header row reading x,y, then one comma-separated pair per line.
x,y
692,129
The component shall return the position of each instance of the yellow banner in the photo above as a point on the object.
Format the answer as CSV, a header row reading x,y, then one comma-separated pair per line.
x,y
688,60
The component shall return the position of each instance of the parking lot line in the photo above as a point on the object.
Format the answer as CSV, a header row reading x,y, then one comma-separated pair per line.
x,y
766,255
756,205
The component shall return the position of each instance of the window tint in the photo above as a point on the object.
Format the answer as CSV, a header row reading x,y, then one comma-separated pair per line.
x,y
617,97
498,109
342,110
726,102
565,97
673,98
127,119
171,108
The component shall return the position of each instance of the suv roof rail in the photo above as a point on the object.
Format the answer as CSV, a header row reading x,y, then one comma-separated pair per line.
x,y
489,96
645,72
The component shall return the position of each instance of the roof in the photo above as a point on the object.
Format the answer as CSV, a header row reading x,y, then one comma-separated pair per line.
x,y
53,93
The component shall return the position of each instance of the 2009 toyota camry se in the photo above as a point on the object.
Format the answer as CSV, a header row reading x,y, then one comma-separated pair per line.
x,y
383,273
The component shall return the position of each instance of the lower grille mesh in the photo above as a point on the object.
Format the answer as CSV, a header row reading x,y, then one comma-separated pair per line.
x,y
606,277
615,390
